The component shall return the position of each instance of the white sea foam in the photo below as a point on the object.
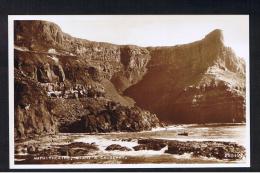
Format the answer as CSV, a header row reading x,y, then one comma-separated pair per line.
x,y
103,143
168,128
143,153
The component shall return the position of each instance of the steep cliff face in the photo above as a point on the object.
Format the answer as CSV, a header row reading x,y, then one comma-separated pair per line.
x,y
42,37
32,114
66,84
70,83
194,83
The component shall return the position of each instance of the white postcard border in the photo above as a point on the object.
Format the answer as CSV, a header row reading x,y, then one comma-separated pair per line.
x,y
12,164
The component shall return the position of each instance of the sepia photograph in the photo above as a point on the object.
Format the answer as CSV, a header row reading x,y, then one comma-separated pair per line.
x,y
129,91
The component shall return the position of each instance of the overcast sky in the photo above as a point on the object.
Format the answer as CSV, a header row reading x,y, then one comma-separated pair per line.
x,y
156,30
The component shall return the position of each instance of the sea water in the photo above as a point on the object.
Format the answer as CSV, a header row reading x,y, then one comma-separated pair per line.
x,y
196,132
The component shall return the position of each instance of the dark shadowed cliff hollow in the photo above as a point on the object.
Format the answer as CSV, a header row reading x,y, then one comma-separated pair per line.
x,y
66,84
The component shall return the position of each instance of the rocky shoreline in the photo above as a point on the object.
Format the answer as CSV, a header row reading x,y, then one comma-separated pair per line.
x,y
57,149
216,149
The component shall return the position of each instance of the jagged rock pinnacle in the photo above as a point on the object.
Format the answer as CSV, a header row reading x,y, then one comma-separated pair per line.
x,y
216,36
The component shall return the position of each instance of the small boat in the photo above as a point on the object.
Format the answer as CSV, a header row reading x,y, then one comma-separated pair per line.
x,y
183,134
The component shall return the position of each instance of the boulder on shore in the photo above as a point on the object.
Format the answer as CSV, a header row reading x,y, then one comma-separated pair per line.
x,y
117,147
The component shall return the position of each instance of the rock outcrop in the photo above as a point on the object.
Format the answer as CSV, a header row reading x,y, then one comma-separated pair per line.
x,y
198,82
67,84
210,149
117,147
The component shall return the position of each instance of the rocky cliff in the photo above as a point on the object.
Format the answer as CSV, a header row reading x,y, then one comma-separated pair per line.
x,y
200,82
66,84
